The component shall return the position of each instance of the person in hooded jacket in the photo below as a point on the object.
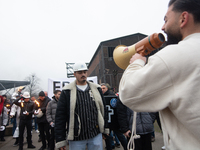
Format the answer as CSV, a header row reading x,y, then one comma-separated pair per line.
x,y
113,125
1,103
144,126
51,113
3,118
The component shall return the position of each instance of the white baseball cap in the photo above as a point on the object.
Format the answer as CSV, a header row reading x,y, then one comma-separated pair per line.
x,y
26,95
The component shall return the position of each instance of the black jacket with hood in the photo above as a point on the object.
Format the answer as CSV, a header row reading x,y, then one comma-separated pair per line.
x,y
43,105
144,124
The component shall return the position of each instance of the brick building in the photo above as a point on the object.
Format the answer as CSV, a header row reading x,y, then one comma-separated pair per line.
x,y
102,64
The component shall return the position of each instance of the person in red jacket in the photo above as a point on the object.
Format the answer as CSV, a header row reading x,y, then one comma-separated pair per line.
x,y
3,118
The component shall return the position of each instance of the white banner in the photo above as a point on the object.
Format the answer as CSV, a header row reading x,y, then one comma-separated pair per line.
x,y
58,84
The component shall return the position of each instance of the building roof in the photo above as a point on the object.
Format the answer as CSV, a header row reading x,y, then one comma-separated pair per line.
x,y
104,42
7,84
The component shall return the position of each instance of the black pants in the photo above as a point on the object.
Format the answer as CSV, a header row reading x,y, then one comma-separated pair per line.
x,y
144,142
44,133
108,141
2,133
52,140
22,125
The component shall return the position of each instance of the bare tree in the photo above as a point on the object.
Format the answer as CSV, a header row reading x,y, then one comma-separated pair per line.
x,y
33,88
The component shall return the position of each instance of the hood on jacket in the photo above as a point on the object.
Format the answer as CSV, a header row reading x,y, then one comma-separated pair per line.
x,y
54,98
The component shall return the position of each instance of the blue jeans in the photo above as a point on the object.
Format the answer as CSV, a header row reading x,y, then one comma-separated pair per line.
x,y
94,143
13,121
116,138
35,123
122,139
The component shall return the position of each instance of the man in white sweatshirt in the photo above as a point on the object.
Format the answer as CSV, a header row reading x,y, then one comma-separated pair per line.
x,y
170,81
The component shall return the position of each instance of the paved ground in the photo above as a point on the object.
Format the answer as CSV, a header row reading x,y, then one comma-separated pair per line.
x,y
8,144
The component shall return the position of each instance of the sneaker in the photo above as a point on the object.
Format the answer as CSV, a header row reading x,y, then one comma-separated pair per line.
x,y
117,145
37,131
31,146
15,144
163,148
2,139
42,148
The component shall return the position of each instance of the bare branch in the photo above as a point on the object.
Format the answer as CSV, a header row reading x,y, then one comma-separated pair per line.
x,y
33,88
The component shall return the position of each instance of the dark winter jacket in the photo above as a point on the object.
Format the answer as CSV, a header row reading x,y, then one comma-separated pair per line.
x,y
65,113
27,106
43,105
144,123
108,92
51,110
113,124
122,116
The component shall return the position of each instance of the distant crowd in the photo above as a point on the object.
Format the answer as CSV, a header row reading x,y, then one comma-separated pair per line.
x,y
28,114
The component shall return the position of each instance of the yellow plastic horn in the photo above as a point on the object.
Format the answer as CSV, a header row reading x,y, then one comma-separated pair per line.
x,y
122,54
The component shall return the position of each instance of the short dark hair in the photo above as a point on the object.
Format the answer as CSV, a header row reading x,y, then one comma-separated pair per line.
x,y
191,6
56,91
4,95
41,93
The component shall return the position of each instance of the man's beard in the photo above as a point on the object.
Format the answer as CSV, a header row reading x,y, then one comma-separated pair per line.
x,y
173,38
83,79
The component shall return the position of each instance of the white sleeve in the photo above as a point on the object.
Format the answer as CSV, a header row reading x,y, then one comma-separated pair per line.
x,y
5,116
146,88
13,110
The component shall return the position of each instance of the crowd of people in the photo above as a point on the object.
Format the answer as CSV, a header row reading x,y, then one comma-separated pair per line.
x,y
89,123
23,111
84,113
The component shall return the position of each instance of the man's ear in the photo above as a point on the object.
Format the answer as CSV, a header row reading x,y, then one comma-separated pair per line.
x,y
184,19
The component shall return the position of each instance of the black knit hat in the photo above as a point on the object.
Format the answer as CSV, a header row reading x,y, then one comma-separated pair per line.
x,y
41,93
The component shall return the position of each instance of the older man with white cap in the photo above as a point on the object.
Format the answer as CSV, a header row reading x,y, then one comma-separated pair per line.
x,y
27,110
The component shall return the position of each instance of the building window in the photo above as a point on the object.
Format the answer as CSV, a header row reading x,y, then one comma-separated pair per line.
x,y
110,51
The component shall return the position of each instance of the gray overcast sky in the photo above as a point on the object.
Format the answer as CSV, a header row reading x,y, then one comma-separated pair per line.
x,y
39,36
